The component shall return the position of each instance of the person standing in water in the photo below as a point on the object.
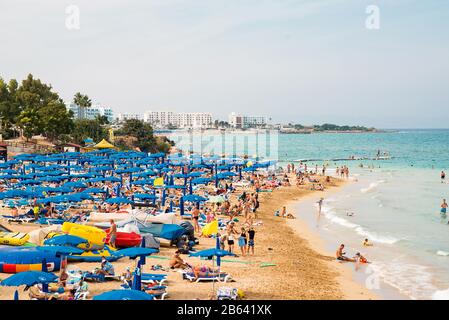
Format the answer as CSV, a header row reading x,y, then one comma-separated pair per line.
x,y
443,176
320,204
443,208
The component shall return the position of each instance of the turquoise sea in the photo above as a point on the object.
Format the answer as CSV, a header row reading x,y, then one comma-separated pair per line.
x,y
395,203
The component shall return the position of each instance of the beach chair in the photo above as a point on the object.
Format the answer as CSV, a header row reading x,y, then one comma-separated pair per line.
x,y
91,276
81,294
153,278
157,296
225,293
23,218
222,277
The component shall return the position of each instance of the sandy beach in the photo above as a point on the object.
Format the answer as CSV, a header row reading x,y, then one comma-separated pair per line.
x,y
290,261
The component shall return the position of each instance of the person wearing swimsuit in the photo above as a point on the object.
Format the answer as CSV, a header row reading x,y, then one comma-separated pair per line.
x,y
443,208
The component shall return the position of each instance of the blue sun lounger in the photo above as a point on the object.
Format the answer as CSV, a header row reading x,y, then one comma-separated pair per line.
x,y
153,277
222,277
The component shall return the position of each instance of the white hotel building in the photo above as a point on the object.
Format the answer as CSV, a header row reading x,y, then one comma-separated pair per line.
x,y
91,112
128,116
185,120
243,121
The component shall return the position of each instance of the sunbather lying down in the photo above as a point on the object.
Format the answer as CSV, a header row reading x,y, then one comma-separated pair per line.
x,y
205,271
37,293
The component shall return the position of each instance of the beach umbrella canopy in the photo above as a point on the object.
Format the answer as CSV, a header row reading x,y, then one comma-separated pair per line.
x,y
195,174
143,182
94,190
144,196
134,252
212,252
201,180
75,184
193,198
124,295
118,200
29,278
65,240
60,250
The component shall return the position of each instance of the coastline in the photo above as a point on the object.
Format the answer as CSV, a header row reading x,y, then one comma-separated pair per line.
x,y
351,289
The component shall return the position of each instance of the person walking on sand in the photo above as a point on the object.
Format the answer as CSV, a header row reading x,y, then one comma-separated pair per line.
x,y
112,234
443,176
443,208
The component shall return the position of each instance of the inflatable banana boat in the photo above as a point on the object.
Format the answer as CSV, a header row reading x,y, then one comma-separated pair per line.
x,y
94,235
14,238
94,255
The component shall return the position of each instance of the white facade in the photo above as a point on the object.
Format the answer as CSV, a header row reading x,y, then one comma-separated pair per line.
x,y
92,112
129,116
163,119
244,121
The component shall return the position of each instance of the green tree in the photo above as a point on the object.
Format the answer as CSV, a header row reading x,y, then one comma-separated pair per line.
x,y
9,107
42,111
143,132
102,120
83,102
87,128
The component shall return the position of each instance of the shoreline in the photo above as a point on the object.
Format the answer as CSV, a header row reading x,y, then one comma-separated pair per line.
x,y
351,289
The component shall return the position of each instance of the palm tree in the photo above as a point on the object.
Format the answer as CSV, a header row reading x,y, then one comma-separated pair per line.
x,y
83,102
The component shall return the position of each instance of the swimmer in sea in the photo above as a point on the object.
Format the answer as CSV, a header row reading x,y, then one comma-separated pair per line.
x,y
366,243
443,208
349,214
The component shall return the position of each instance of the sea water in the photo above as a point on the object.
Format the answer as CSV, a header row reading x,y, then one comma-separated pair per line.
x,y
394,203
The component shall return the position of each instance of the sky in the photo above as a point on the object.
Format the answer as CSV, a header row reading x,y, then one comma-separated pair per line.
x,y
308,62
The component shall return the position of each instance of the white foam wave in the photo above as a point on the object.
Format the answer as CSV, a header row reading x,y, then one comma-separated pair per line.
x,y
330,214
372,186
442,253
412,280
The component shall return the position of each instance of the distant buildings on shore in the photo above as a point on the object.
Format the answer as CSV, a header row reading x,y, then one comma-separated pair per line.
x,y
239,121
171,119
91,112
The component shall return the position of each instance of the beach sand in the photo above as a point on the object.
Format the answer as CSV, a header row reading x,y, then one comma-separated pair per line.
x,y
301,268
